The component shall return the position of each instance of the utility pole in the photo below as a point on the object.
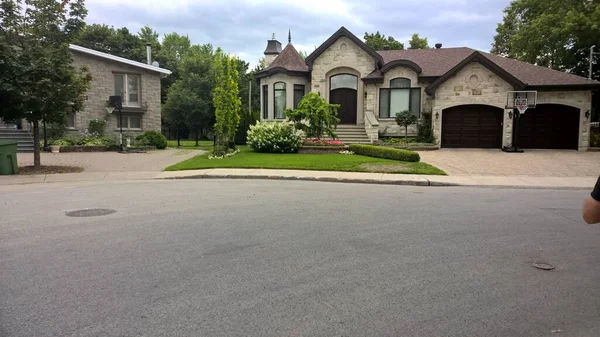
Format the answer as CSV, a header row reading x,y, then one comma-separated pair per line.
x,y
592,61
250,97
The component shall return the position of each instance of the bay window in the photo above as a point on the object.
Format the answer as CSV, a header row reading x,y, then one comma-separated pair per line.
x,y
399,97
265,105
298,94
128,87
279,100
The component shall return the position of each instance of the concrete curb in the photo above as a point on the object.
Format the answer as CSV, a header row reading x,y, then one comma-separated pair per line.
x,y
407,182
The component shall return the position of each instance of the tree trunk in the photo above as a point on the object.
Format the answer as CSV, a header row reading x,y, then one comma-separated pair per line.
x,y
197,138
406,134
178,138
36,144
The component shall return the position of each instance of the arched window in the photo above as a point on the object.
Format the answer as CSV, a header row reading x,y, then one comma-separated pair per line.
x,y
399,97
343,81
279,99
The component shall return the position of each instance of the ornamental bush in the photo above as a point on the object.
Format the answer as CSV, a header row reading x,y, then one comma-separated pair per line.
x,y
385,152
152,138
276,137
97,126
315,116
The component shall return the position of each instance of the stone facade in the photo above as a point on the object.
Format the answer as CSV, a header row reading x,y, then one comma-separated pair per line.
x,y
343,56
289,91
474,84
102,86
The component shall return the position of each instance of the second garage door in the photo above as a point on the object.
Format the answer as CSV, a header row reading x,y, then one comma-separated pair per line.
x,y
472,126
549,126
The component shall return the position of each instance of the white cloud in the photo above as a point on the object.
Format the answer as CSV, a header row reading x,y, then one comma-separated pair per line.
x,y
460,17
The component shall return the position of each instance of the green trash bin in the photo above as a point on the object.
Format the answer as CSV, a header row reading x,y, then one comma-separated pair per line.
x,y
8,157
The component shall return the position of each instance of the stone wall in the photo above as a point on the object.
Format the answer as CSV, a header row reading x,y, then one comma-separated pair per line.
x,y
474,84
102,87
343,56
289,91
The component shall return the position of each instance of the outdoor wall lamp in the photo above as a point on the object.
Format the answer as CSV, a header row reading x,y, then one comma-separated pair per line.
x,y
365,95
510,114
437,115
587,114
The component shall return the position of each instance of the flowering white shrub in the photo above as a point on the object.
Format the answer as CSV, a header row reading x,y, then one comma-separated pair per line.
x,y
347,152
276,137
226,155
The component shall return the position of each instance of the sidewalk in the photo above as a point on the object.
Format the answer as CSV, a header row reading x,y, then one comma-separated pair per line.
x,y
344,177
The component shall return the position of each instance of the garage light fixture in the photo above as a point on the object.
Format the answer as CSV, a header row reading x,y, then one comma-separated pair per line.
x,y
437,115
510,114
587,114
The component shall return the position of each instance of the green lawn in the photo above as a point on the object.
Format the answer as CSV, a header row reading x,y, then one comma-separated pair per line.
x,y
191,144
323,162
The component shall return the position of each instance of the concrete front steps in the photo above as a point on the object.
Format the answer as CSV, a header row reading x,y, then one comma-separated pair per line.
x,y
352,134
23,138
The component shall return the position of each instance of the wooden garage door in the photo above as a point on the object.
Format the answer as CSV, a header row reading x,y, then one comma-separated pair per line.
x,y
549,126
472,126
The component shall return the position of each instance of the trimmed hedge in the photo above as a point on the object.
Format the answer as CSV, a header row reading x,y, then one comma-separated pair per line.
x,y
385,152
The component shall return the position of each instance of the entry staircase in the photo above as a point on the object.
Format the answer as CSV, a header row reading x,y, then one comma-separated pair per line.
x,y
352,134
23,138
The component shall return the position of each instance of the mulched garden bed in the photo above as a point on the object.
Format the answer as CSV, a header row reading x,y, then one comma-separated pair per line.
x,y
321,149
30,170
81,148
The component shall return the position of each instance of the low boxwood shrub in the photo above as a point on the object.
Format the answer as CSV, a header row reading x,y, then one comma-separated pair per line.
x,y
152,138
276,137
385,152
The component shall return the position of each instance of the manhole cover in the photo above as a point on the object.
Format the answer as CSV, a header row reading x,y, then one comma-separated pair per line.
x,y
543,266
91,212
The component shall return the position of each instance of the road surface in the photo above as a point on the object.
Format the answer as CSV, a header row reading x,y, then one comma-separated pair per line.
x,y
291,258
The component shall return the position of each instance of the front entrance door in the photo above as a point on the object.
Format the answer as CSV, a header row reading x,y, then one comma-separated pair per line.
x,y
344,91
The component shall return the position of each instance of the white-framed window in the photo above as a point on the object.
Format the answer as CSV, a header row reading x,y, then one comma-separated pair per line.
x,y
128,87
130,122
399,97
71,121
279,101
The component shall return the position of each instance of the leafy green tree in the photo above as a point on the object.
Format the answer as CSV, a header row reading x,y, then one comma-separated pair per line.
x,y
226,101
417,42
189,101
315,116
550,33
405,119
38,81
119,42
377,41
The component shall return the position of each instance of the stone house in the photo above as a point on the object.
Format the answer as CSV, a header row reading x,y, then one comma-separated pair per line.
x,y
464,90
137,83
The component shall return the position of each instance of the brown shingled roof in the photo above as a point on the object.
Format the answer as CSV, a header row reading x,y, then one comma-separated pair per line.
x,y
290,60
437,62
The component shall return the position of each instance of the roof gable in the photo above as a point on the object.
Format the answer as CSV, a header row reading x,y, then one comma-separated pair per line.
x,y
476,57
331,40
118,59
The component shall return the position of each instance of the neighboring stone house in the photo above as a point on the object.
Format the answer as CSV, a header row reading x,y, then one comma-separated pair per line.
x,y
464,90
137,83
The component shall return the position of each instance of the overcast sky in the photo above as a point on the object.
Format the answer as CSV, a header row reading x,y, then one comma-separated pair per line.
x,y
242,27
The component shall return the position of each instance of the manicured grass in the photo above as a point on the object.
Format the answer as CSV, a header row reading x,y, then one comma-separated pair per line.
x,y
321,162
191,144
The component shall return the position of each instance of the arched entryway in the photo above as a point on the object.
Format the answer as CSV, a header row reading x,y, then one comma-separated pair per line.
x,y
343,90
549,126
472,126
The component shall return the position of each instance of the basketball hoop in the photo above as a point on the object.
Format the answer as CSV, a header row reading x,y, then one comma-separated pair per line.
x,y
521,104
109,109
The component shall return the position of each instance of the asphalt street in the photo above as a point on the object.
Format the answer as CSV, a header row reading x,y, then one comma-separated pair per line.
x,y
292,258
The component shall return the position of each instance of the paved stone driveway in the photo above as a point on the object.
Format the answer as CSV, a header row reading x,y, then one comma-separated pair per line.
x,y
541,163
151,161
